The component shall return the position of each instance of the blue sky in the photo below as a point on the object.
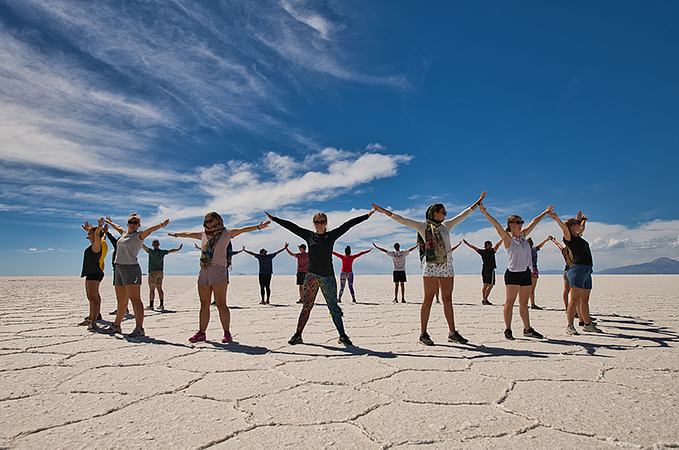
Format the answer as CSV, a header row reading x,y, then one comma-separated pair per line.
x,y
171,109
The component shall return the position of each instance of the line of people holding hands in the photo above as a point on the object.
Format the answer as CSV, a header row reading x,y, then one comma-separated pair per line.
x,y
315,269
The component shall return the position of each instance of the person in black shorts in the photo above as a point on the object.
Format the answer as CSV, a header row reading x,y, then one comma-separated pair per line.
x,y
488,269
93,271
398,257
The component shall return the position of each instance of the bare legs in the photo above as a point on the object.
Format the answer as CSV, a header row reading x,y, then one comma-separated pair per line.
x,y
532,292
133,292
579,304
403,290
431,287
92,290
485,291
152,293
523,292
566,291
205,294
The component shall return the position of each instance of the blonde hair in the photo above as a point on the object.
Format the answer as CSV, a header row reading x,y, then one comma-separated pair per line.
x,y
511,219
570,222
134,216
317,215
215,216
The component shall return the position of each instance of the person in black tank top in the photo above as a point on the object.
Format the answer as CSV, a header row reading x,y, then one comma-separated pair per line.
x,y
92,272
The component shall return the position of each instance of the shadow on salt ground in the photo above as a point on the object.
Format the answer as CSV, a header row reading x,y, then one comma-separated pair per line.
x,y
235,347
148,340
491,352
342,351
661,336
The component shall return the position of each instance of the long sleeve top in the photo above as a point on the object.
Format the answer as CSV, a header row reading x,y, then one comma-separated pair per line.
x,y
320,245
444,228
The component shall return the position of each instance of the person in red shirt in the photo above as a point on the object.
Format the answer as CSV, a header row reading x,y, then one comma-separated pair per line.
x,y
347,273
302,266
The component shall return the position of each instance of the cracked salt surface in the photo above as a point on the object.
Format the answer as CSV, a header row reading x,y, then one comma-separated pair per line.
x,y
64,387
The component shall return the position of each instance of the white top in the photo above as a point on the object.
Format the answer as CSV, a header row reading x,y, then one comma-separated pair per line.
x,y
444,228
519,255
219,255
399,258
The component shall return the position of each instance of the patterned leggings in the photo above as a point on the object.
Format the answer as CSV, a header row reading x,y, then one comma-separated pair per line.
x,y
347,277
328,286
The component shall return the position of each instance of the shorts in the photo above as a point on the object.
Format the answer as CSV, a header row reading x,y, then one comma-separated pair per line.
x,y
488,276
300,278
518,278
95,277
534,273
444,270
580,276
400,276
156,277
213,275
127,274
565,277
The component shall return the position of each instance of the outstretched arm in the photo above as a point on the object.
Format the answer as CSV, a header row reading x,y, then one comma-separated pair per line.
x,y
583,219
551,238
564,228
175,249
289,252
186,234
379,248
543,242
285,247
337,254
476,249
453,248
96,245
497,245
144,234
116,227
506,238
249,252
534,223
292,227
412,248
236,231
146,249
363,253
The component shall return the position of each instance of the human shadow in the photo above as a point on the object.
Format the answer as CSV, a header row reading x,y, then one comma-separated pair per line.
x,y
236,347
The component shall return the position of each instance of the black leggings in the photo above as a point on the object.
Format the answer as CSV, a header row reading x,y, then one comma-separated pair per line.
x,y
265,284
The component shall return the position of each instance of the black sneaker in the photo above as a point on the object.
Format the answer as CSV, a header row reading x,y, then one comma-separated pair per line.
x,y
300,301
536,307
99,317
344,339
296,339
425,339
403,300
457,337
509,335
486,302
532,333
395,300
113,313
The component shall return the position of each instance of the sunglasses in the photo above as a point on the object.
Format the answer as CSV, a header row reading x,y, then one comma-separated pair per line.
x,y
320,222
518,222
208,221
132,222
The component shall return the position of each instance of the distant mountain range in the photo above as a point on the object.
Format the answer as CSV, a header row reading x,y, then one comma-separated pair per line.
x,y
660,266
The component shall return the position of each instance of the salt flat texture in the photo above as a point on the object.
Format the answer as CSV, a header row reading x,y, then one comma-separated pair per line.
x,y
64,387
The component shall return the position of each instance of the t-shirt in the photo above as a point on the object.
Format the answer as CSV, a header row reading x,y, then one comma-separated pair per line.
x,y
266,262
580,250
348,261
302,262
219,254
320,245
156,257
534,256
488,258
399,259
93,263
128,248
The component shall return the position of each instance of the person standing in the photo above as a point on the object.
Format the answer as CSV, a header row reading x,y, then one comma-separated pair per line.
x,y
93,271
436,253
321,274
155,275
518,273
213,278
347,273
488,268
398,257
534,270
128,273
265,271
580,272
302,266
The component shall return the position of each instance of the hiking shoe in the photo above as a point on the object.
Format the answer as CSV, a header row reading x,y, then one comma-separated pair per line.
x,y
137,332
344,339
112,329
395,300
198,337
300,301
149,308
227,337
113,313
403,300
85,322
457,337
296,339
536,307
425,339
486,302
93,326
532,333
570,329
509,335
591,328
161,308
262,302
582,322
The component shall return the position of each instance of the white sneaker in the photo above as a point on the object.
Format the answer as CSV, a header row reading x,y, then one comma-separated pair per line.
x,y
570,329
591,328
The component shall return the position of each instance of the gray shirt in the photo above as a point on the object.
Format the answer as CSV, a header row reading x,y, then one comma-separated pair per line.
x,y
128,248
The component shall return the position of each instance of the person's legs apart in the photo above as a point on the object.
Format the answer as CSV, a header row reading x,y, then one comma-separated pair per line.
x,y
447,284
431,288
205,296
219,291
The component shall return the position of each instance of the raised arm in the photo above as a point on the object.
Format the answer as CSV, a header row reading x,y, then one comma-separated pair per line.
x,y
379,248
116,227
236,231
564,228
144,234
96,245
289,252
543,242
476,249
551,238
453,248
346,226
497,245
337,254
412,248
583,219
506,238
292,227
249,252
534,223
146,249
186,234
450,223
172,250
285,247
363,253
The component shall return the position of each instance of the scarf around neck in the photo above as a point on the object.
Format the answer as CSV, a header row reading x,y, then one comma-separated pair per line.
x,y
208,250
432,247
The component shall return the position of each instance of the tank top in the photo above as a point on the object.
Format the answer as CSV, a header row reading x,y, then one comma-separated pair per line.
x,y
128,248
519,255
91,264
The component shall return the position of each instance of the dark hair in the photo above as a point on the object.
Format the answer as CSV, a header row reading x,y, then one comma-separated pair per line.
x,y
488,244
530,241
262,251
347,250
302,246
397,246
